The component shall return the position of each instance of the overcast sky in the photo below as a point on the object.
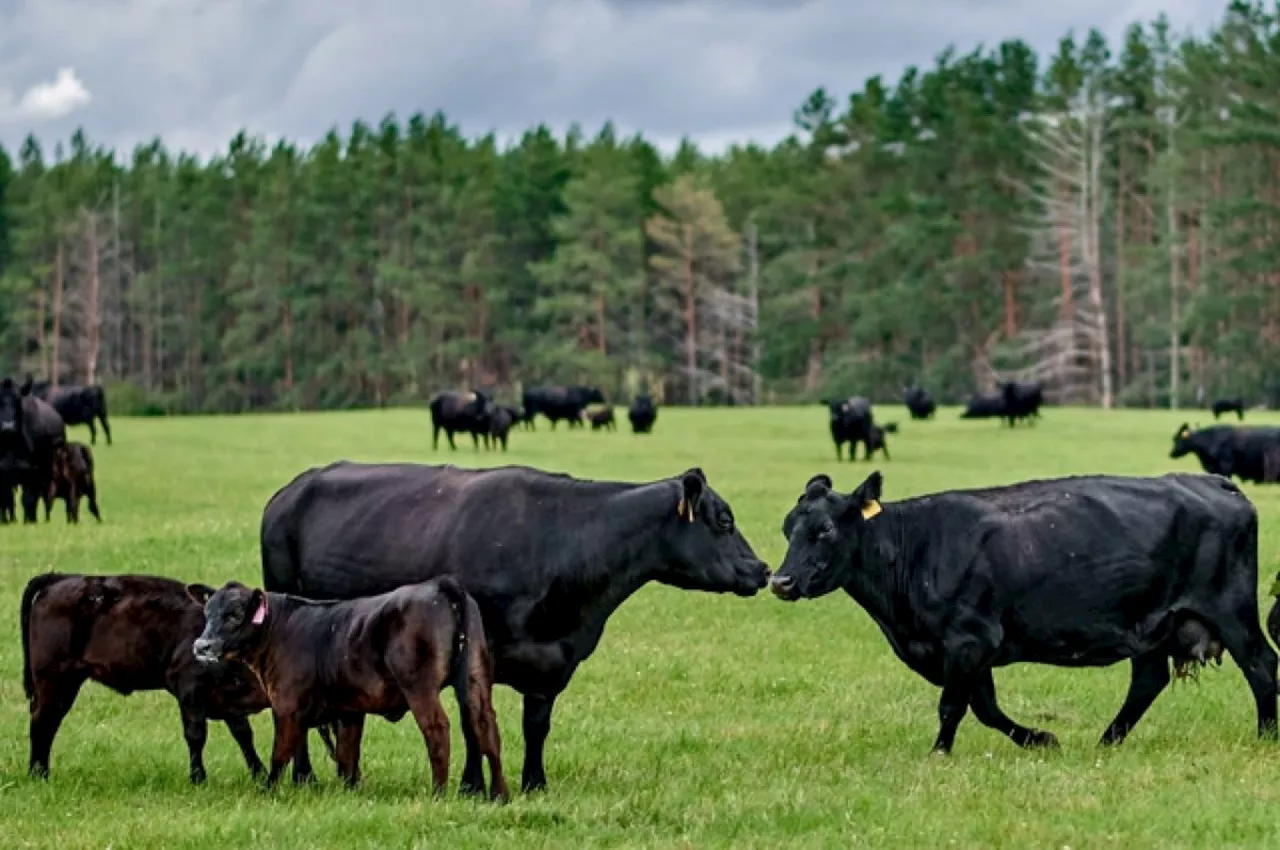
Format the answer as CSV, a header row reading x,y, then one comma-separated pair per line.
x,y
196,71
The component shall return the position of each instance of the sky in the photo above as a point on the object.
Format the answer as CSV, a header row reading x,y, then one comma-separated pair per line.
x,y
194,72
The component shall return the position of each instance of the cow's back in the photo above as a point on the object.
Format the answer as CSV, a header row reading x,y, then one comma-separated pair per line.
x,y
355,529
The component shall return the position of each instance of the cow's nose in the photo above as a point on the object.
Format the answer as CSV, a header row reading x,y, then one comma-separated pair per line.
x,y
200,648
782,586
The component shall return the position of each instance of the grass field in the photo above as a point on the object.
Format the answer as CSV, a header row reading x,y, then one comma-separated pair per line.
x,y
701,721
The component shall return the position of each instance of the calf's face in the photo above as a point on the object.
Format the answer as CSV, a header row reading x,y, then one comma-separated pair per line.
x,y
824,532
234,619
10,409
703,548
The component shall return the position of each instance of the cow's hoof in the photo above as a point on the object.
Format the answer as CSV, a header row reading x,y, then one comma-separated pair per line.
x,y
198,776
1040,739
939,751
38,771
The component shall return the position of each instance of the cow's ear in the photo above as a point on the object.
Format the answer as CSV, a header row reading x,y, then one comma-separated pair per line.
x,y
258,605
867,497
817,486
199,593
692,485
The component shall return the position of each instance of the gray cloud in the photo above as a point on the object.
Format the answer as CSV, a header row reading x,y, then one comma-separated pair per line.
x,y
196,71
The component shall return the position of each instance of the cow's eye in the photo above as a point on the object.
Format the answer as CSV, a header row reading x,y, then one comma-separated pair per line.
x,y
724,522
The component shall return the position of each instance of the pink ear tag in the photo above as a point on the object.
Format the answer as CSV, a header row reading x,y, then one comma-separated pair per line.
x,y
261,614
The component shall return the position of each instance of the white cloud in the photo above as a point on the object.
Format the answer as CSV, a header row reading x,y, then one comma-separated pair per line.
x,y
56,99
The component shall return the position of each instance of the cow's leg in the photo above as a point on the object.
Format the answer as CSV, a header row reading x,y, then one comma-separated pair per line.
x,y
242,732
288,731
303,773
91,493
93,432
952,706
435,436
195,729
989,714
433,722
1243,638
537,726
52,700
449,435
106,429
1150,677
349,734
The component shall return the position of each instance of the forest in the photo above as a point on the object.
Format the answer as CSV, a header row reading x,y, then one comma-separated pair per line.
x,y
1104,219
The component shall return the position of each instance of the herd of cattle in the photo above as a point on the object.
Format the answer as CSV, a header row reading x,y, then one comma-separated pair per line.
x,y
35,456
382,584
477,414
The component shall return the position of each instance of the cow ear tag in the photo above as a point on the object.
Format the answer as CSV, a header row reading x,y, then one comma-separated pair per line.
x,y
871,509
1184,433
684,510
260,615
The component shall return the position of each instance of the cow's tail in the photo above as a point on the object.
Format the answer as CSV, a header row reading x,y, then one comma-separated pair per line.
x,y
29,594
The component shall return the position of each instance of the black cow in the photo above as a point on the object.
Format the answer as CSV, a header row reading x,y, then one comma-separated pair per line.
x,y
982,406
1074,572
876,441
547,557
601,418
466,413
501,418
557,403
129,633
77,406
31,432
73,480
919,403
851,422
642,413
1022,401
1250,454
335,662
1228,405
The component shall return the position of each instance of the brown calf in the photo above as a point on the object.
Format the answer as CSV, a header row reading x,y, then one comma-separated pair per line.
x,y
72,479
130,633
335,662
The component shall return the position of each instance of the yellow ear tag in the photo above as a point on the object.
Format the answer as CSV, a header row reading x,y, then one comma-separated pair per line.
x,y
871,509
680,510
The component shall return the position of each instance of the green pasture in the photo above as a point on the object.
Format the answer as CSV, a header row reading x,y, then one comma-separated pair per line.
x,y
701,720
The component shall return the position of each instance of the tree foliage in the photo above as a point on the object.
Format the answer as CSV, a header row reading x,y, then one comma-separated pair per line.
x,y
1107,221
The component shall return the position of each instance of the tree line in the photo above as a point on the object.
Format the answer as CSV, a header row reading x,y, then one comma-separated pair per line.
x,y
1105,220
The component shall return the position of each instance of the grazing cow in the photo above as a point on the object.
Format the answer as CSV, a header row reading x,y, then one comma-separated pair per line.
x,y
1022,401
77,406
466,413
851,422
919,403
557,403
31,432
501,418
601,418
1074,572
547,557
72,479
984,407
876,441
337,662
1228,405
1250,454
642,413
130,633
